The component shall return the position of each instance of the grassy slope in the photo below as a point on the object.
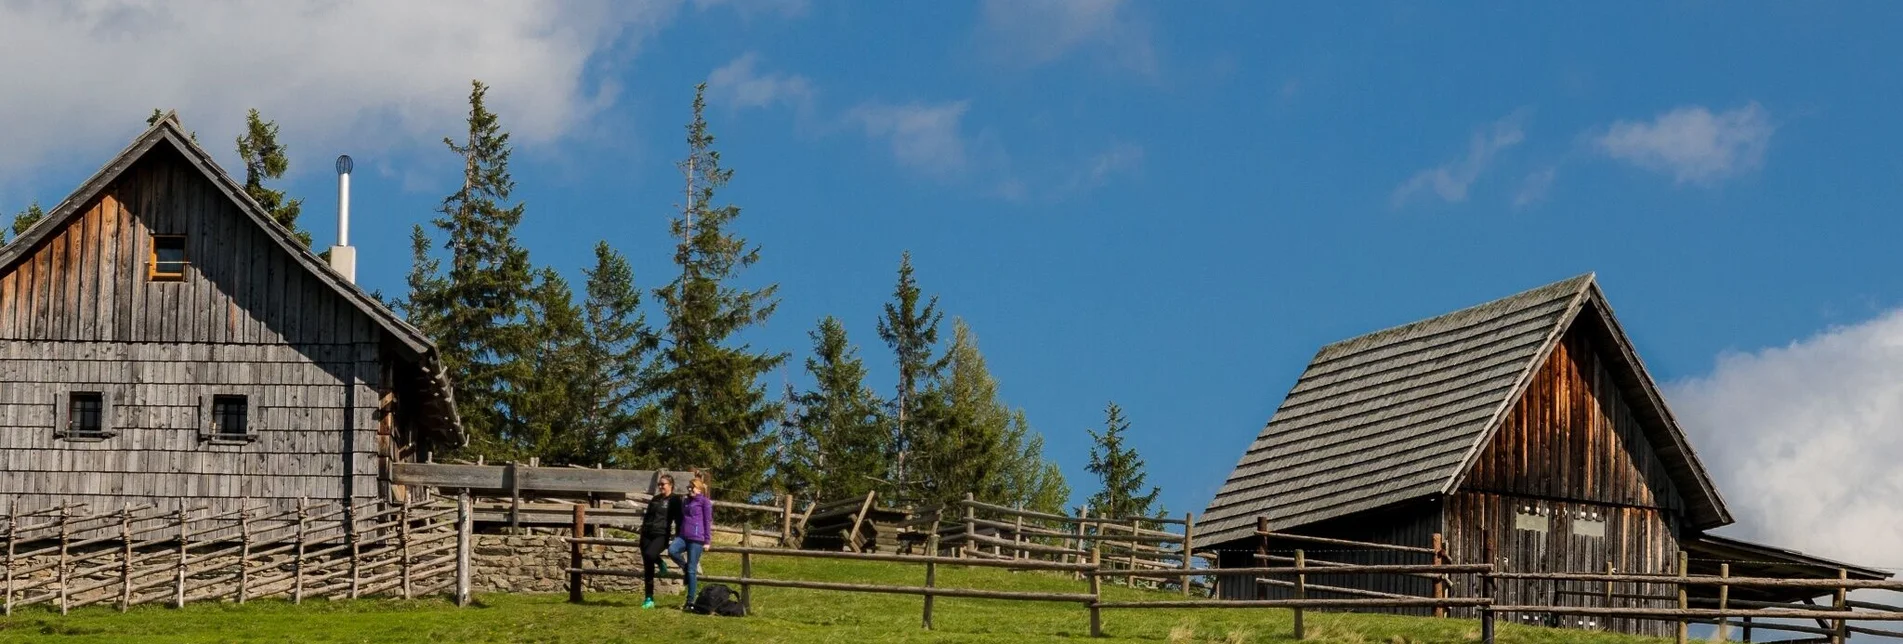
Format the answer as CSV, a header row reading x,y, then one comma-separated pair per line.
x,y
781,615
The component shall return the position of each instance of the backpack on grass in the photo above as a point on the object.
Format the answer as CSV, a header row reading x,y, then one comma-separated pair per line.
x,y
716,599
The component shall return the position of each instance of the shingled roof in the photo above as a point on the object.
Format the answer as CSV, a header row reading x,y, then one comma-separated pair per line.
x,y
1400,414
166,131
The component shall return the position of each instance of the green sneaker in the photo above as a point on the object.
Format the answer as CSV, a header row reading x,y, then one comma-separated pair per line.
x,y
662,566
648,603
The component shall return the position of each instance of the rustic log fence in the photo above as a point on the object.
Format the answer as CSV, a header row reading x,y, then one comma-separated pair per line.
x,y
63,559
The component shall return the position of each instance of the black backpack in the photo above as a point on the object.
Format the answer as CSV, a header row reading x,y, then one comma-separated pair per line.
x,y
716,599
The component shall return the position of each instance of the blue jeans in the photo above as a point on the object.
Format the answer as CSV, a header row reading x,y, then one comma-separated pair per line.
x,y
689,565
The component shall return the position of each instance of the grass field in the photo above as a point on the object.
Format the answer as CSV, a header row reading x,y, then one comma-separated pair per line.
x,y
780,615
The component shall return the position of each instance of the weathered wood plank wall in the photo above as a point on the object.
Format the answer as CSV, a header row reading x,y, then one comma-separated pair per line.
x,y
1569,484
79,314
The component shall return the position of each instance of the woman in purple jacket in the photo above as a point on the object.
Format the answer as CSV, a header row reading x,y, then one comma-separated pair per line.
x,y
697,527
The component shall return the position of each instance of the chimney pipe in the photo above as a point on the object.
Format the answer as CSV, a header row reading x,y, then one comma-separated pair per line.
x,y
343,258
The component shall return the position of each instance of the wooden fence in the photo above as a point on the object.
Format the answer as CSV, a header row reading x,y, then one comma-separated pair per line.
x,y
59,558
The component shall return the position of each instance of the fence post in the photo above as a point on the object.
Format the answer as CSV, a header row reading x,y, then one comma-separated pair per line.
x,y
403,545
297,560
746,588
63,533
1301,592
1840,630
1486,591
465,526
515,498
178,593
1083,515
12,527
1018,537
786,522
1682,603
1096,589
1440,581
244,550
1609,599
1130,580
574,554
1261,555
1724,601
350,535
971,526
1189,537
1747,629
125,562
931,575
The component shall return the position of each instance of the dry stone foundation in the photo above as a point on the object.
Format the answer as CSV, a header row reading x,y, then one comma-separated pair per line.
x,y
538,563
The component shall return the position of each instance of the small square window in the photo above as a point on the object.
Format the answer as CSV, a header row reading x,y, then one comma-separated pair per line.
x,y
168,258
230,417
84,416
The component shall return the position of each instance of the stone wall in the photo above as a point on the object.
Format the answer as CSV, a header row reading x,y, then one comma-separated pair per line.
x,y
538,563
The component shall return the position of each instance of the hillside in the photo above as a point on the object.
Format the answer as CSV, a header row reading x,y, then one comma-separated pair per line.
x,y
789,616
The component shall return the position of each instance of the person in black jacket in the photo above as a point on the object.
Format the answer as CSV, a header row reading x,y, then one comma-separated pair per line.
x,y
659,523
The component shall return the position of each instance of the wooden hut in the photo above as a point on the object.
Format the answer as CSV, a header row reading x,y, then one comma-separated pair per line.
x,y
1524,431
163,341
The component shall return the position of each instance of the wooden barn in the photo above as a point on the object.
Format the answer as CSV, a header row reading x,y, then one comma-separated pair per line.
x,y
1524,431
162,341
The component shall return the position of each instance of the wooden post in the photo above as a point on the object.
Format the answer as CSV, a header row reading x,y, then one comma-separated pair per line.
x,y
178,590
931,575
1840,629
515,498
1018,536
1724,600
244,550
1083,514
1486,590
1301,592
356,550
786,522
574,555
971,526
1609,599
1189,537
1747,629
1261,552
403,545
746,588
61,570
11,528
297,560
1682,603
1440,581
465,528
1096,589
125,558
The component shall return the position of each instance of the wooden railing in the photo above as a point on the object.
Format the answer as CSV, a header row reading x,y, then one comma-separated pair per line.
x,y
64,559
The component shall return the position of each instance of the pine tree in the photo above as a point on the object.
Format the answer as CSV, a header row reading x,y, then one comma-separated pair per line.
x,y
474,312
26,218
912,334
1028,478
842,435
264,158
1119,471
618,343
154,118
715,411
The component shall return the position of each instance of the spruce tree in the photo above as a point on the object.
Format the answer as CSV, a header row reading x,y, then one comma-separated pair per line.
x,y
26,218
475,310
715,412
264,158
1119,471
1028,478
911,330
842,435
617,351
545,404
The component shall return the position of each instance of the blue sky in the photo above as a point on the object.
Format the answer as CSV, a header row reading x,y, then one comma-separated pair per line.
x,y
1168,206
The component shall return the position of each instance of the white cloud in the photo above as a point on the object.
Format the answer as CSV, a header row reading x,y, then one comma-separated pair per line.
x,y
1691,143
1036,32
1533,189
1804,440
1451,180
925,137
81,77
739,84
1119,159
751,8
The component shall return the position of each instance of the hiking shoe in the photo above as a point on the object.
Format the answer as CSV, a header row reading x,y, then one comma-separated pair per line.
x,y
662,566
647,603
